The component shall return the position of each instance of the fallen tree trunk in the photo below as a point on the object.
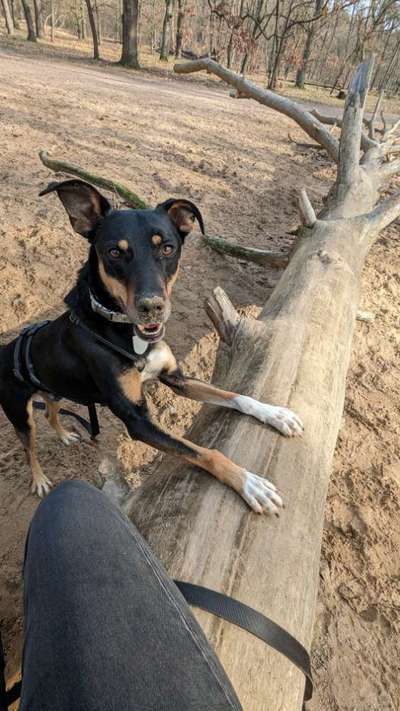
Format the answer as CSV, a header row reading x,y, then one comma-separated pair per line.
x,y
297,354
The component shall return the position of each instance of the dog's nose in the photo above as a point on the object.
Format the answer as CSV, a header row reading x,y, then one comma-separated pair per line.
x,y
151,307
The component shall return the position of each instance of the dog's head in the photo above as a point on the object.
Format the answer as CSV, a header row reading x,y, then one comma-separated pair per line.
x,y
137,251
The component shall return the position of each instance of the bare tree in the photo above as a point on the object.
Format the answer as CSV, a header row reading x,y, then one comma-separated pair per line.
x,y
29,21
179,27
130,19
310,32
93,28
166,31
39,20
8,17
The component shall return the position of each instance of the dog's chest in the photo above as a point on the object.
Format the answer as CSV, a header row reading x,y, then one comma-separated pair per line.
x,y
158,360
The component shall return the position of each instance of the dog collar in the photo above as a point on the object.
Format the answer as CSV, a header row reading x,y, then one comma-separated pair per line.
x,y
139,345
115,316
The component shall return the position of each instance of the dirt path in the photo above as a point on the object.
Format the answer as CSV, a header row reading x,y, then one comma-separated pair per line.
x,y
234,160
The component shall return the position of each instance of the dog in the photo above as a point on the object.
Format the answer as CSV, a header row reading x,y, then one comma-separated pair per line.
x,y
110,341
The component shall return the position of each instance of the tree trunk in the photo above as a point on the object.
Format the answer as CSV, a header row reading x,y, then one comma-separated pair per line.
x,y
29,21
92,22
8,17
98,21
301,72
166,31
39,21
179,27
296,354
130,19
53,21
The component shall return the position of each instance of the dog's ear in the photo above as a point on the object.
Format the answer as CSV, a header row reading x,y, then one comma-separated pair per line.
x,y
182,213
83,203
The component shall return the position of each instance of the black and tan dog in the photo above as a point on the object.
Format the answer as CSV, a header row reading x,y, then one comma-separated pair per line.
x,y
121,301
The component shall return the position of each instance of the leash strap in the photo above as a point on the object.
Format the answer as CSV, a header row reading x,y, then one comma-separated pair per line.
x,y
252,621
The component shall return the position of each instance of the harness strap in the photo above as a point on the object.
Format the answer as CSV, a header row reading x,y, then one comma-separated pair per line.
x,y
77,321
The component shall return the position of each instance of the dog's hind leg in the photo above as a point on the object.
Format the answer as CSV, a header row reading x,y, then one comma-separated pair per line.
x,y
52,414
20,413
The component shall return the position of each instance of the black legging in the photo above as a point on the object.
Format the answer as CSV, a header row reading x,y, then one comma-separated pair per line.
x,y
105,628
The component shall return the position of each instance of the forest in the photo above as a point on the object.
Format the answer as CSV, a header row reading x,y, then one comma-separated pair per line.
x,y
301,41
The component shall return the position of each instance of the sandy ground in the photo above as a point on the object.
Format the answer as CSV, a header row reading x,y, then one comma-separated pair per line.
x,y
234,159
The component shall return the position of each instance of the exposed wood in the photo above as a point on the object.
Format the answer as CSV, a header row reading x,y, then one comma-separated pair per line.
x,y
307,213
366,142
303,118
223,315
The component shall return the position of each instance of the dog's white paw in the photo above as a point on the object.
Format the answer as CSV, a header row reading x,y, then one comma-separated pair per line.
x,y
41,485
69,437
284,420
261,495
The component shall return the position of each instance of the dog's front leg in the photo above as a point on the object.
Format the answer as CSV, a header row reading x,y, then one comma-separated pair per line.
x,y
258,492
282,419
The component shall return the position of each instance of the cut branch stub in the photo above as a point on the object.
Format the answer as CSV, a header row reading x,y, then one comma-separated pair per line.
x,y
307,213
223,314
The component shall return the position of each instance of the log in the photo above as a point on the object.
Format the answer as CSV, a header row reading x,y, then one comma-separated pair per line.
x,y
296,354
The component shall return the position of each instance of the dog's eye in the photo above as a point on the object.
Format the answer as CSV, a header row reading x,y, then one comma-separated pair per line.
x,y
167,250
114,253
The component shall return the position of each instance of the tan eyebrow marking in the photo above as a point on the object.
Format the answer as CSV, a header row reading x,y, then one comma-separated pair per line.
x,y
156,239
123,244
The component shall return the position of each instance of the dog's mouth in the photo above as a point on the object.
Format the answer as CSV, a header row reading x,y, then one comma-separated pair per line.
x,y
151,332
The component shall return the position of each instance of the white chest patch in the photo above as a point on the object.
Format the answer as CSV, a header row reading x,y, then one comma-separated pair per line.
x,y
157,361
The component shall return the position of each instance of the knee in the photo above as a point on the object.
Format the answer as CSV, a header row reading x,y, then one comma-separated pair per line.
x,y
66,509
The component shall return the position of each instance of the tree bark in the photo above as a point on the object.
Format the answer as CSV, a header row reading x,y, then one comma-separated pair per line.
x,y
92,23
179,28
130,20
39,20
166,31
8,17
53,21
29,21
302,71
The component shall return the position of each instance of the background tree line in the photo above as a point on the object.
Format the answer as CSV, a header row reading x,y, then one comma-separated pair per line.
x,y
318,41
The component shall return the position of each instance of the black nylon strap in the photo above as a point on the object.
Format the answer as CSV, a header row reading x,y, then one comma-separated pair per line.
x,y
88,426
252,621
74,319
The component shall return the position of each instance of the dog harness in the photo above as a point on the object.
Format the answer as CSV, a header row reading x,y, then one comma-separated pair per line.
x,y
24,371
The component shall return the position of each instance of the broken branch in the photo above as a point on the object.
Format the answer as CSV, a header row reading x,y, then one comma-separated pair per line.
x,y
303,118
59,166
307,213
